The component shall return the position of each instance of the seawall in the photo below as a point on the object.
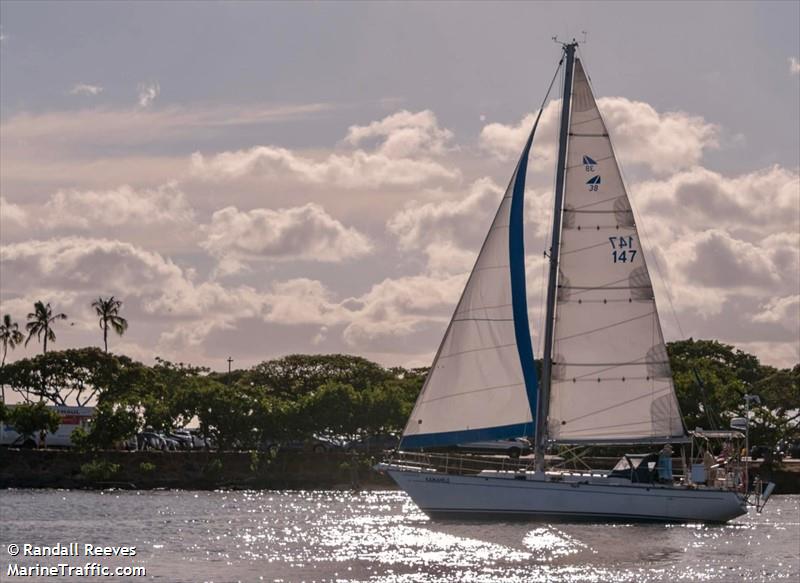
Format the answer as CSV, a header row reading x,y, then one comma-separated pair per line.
x,y
200,470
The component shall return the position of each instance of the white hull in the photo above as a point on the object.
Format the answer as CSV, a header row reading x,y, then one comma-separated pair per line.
x,y
501,496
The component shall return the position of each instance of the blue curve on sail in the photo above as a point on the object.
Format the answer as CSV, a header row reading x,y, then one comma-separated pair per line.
x,y
519,298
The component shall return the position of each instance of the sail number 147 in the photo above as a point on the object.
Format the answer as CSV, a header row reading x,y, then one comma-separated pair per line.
x,y
622,250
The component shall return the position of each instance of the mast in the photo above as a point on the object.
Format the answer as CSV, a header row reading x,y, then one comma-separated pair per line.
x,y
563,136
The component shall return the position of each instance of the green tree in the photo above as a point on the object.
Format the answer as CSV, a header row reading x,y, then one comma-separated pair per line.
x,y
74,376
299,374
230,416
386,407
109,426
334,408
779,413
40,323
168,394
107,309
276,418
10,336
712,378
28,419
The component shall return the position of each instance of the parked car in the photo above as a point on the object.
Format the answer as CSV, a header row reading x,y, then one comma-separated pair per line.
x,y
171,444
183,437
787,448
513,447
374,443
316,443
150,440
130,444
200,442
766,452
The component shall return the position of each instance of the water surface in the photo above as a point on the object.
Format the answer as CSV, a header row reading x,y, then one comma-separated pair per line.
x,y
271,536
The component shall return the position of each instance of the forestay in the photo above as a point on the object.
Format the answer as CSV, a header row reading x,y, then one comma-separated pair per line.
x,y
482,384
611,378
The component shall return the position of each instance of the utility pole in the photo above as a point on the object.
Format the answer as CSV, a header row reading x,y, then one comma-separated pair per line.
x,y
230,360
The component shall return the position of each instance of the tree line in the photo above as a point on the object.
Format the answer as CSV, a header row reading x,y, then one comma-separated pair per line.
x,y
299,395
287,398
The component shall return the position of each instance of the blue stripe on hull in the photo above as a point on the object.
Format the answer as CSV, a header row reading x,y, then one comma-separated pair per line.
x,y
469,435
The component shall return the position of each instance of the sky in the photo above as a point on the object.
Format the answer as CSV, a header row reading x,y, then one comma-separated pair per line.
x,y
259,179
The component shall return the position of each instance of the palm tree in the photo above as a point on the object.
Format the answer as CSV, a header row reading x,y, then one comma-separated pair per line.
x,y
108,311
40,323
10,336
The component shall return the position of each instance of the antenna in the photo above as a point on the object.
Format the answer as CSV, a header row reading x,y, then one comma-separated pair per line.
x,y
561,42
572,42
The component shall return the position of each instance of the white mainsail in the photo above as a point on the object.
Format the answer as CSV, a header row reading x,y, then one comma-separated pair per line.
x,y
611,379
482,384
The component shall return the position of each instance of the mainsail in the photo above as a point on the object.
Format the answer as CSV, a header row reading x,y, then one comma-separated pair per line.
x,y
482,384
610,377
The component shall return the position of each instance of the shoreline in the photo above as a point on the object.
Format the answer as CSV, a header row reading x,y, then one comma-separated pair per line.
x,y
202,470
188,470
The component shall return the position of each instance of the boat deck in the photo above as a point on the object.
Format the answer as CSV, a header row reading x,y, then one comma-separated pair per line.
x,y
502,467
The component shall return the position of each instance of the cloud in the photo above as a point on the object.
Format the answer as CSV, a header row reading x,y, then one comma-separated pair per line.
x,y
404,134
722,261
305,233
400,307
701,198
403,156
99,148
784,311
12,216
77,264
353,170
85,89
104,126
794,66
124,205
663,142
729,245
303,301
729,248
148,93
155,289
450,230
452,219
71,271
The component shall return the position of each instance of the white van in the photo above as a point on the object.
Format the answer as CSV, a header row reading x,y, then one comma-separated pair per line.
x,y
71,419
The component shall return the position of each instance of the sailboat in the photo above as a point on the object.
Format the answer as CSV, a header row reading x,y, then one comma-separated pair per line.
x,y
606,377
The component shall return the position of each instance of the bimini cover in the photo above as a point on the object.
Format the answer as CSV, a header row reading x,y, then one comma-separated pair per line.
x,y
482,384
636,467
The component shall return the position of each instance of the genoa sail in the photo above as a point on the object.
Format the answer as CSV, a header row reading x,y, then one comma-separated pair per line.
x,y
610,379
482,384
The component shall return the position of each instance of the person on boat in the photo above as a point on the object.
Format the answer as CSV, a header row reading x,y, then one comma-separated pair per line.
x,y
665,464
727,452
